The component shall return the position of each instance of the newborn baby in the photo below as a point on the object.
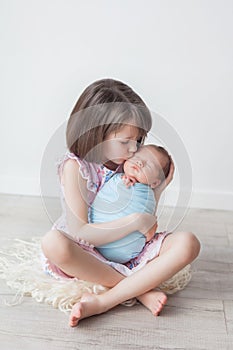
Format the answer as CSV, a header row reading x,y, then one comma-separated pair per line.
x,y
142,173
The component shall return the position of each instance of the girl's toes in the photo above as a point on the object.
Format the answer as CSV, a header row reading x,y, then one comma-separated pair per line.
x,y
163,299
158,308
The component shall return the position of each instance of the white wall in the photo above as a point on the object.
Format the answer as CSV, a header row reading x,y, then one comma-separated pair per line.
x,y
176,54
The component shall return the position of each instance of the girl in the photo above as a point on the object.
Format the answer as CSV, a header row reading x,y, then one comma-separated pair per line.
x,y
105,126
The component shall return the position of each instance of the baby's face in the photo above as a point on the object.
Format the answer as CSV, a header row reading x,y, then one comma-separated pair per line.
x,y
144,166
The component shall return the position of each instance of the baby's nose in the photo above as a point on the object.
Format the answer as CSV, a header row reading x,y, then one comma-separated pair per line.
x,y
139,163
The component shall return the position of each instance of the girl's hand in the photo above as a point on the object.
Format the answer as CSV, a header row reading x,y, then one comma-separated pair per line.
x,y
150,234
158,190
146,224
128,180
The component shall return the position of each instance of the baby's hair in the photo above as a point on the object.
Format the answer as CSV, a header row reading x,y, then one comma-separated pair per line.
x,y
166,167
104,107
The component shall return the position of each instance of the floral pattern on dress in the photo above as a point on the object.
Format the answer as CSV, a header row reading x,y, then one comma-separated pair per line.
x,y
105,173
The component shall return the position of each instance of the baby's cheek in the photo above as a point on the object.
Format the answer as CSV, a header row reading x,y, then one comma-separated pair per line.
x,y
143,179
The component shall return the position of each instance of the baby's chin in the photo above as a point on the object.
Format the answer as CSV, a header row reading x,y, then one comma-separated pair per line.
x,y
132,176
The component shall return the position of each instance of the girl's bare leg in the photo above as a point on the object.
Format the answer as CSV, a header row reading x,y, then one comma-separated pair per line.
x,y
72,259
75,261
178,250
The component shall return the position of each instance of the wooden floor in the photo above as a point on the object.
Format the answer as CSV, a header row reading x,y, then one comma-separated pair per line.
x,y
199,317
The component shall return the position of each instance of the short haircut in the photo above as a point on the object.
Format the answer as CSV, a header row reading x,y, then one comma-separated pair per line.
x,y
105,106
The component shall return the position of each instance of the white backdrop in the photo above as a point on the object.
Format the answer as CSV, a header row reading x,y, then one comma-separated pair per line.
x,y
176,54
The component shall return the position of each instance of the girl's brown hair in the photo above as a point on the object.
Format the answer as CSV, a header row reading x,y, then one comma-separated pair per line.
x,y
104,107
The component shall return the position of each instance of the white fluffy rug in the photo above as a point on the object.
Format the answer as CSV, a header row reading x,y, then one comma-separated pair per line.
x,y
20,267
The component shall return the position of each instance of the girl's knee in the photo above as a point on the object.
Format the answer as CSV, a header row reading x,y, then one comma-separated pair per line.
x,y
187,246
56,247
190,246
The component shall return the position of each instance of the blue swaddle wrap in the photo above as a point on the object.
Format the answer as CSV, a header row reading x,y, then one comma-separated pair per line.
x,y
114,201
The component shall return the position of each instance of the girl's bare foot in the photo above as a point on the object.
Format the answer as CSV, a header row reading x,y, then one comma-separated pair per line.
x,y
154,301
89,305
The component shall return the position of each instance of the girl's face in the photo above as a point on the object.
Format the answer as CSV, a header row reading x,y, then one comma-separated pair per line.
x,y
120,145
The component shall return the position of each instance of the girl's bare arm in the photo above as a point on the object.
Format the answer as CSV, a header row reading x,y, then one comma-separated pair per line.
x,y
76,192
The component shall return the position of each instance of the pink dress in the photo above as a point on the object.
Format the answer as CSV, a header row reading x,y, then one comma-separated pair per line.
x,y
96,175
